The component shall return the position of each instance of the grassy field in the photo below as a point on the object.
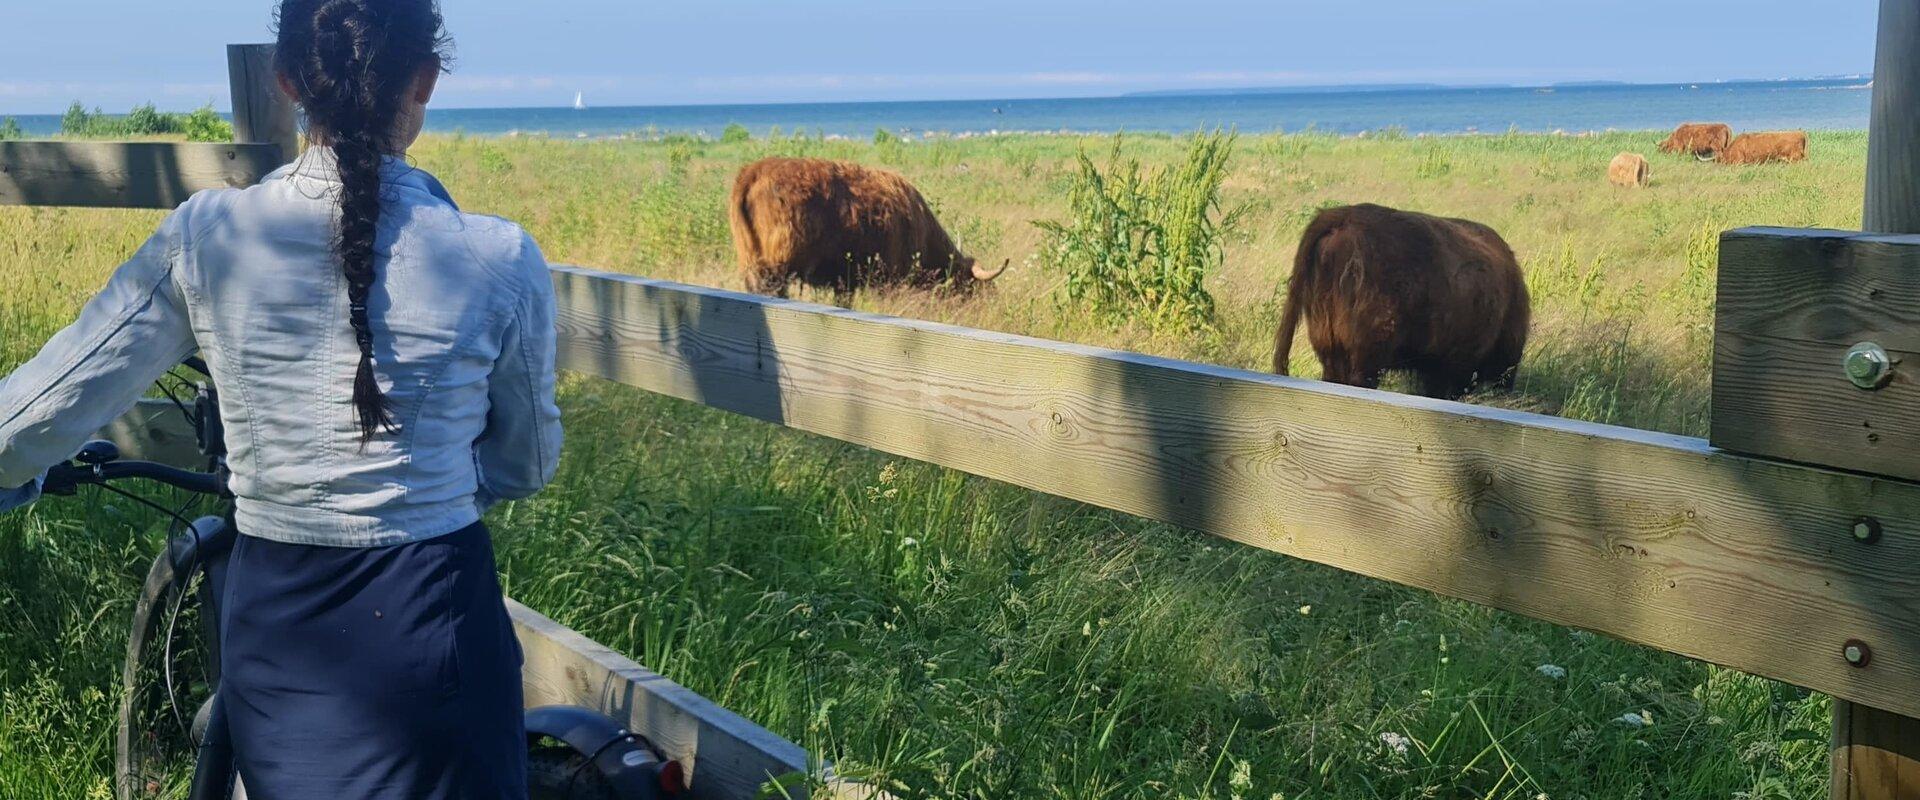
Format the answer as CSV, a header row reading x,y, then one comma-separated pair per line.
x,y
951,637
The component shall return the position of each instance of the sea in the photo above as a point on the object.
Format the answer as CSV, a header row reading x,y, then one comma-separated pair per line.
x,y
1825,104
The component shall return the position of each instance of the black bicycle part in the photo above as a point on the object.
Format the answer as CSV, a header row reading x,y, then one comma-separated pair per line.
x,y
169,676
213,768
65,479
603,752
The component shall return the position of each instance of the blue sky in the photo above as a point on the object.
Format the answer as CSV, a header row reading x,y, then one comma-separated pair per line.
x,y
115,53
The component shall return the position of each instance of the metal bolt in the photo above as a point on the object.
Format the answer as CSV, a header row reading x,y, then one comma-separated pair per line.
x,y
1857,652
1868,366
1866,530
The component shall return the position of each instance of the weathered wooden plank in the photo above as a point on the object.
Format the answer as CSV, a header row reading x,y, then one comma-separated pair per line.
x,y
155,430
261,112
1876,754
126,175
1893,143
1791,304
1785,399
1821,286
1656,539
725,756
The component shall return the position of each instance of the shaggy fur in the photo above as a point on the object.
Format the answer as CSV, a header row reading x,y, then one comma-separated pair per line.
x,y
1701,139
1384,289
839,225
1760,148
1628,169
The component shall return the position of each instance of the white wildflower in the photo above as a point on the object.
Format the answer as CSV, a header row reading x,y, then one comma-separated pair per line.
x,y
1305,610
1395,742
1552,671
1632,720
1086,629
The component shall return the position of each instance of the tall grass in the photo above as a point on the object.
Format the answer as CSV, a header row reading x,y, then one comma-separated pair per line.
x,y
952,637
1143,243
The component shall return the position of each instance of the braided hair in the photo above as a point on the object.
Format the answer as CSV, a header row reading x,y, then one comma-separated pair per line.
x,y
351,64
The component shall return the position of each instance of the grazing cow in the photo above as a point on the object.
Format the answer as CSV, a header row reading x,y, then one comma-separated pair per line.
x,y
1760,148
1702,139
1384,289
828,223
1628,169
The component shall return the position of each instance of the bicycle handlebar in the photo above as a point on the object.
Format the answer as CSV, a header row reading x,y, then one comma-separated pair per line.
x,y
65,478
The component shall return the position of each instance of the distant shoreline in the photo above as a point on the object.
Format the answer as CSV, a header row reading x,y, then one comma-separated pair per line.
x,y
1840,103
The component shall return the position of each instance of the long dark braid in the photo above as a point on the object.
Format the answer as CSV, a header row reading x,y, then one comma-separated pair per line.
x,y
351,64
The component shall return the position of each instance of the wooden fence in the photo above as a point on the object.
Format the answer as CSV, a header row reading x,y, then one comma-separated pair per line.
x,y
1786,546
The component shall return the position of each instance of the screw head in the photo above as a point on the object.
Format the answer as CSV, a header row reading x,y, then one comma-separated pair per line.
x,y
1856,652
1866,530
1868,366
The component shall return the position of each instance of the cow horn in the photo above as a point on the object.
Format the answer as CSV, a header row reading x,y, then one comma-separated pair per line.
x,y
984,275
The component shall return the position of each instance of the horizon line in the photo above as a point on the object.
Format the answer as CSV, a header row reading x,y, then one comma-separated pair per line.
x,y
1383,87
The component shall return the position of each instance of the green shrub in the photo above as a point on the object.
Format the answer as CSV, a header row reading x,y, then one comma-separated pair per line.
x,y
204,125
735,133
10,129
77,122
144,120
1138,245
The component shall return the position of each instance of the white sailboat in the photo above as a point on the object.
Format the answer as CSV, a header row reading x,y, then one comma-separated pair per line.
x,y
579,101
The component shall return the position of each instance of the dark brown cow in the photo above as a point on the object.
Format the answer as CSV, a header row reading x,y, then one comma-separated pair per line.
x,y
1760,148
828,223
1702,139
1384,289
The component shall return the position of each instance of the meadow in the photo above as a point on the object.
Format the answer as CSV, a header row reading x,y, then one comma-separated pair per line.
x,y
946,636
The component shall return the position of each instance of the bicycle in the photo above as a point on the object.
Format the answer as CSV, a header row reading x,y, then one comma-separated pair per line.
x,y
170,735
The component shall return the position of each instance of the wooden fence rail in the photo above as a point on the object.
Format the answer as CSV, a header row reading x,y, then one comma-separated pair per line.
x,y
1661,540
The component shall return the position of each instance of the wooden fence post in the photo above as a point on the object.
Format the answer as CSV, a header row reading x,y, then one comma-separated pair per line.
x,y
261,112
1876,754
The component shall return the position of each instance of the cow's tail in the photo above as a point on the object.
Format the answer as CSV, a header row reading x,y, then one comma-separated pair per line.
x,y
746,243
1305,268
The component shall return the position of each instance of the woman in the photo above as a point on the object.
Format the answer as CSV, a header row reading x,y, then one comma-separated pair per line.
x,y
387,373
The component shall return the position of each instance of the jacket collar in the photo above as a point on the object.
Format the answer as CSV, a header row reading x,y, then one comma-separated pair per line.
x,y
320,164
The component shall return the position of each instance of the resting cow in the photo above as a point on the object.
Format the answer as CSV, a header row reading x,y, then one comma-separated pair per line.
x,y
1760,148
840,225
1701,139
1628,169
1383,289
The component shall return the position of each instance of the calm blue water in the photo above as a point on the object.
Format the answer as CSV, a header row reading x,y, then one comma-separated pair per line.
x,y
1816,105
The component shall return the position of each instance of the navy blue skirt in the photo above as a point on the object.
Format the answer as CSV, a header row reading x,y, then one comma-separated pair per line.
x,y
383,673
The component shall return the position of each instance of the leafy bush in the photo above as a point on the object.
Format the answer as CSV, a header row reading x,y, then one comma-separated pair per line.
x,y
77,122
735,133
204,125
145,120
1139,245
10,129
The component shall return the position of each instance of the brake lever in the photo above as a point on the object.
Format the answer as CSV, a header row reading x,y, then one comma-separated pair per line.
x,y
64,480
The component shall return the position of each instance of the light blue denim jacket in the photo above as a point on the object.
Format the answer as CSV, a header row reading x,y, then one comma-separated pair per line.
x,y
463,330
